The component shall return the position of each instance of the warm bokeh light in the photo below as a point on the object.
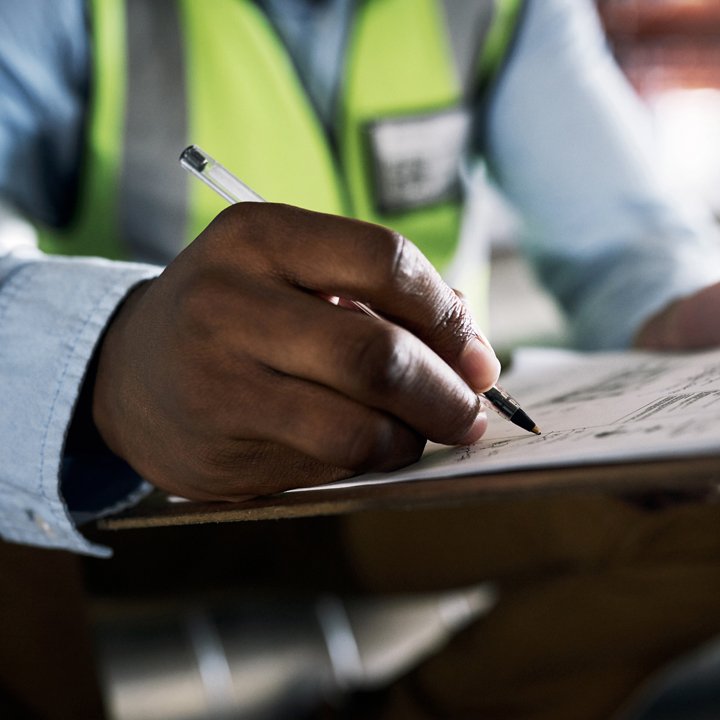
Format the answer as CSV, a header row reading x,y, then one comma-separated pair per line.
x,y
670,51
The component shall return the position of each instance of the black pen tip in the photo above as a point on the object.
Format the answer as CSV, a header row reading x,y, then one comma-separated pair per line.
x,y
522,419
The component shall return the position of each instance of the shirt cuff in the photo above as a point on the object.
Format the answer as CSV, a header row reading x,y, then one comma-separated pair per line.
x,y
53,311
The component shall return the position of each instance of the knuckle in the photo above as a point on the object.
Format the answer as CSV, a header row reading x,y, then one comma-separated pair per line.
x,y
223,231
236,219
452,325
453,317
380,361
364,445
399,260
461,421
381,444
240,231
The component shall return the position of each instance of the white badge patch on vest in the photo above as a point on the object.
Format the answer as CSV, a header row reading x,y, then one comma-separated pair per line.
x,y
416,159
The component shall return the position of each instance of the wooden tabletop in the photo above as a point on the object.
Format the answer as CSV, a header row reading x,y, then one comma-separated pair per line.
x,y
697,477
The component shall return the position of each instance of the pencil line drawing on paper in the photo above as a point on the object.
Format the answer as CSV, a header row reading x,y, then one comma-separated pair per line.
x,y
606,407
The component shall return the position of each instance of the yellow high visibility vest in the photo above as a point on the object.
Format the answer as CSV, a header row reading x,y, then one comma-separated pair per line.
x,y
170,73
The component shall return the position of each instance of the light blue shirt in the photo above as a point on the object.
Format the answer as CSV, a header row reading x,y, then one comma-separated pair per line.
x,y
566,140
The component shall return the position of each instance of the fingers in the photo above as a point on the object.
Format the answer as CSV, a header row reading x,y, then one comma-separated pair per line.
x,y
299,434
332,428
371,361
228,374
361,261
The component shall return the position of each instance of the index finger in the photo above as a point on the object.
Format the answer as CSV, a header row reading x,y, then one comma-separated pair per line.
x,y
369,263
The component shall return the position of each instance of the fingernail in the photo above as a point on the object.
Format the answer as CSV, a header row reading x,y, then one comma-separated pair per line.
x,y
477,429
479,365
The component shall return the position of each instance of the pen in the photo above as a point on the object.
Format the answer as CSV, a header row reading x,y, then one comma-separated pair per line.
x,y
234,190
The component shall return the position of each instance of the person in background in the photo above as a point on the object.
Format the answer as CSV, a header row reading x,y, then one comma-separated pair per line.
x,y
131,357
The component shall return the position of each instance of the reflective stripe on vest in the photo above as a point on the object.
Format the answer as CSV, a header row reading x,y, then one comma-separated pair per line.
x,y
215,73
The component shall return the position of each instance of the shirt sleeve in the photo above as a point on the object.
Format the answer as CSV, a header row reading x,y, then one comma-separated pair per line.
x,y
52,310
571,146
52,313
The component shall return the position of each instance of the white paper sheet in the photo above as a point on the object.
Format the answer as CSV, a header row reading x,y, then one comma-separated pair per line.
x,y
591,409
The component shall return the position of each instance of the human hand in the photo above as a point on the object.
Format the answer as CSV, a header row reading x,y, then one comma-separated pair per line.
x,y
691,323
228,376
